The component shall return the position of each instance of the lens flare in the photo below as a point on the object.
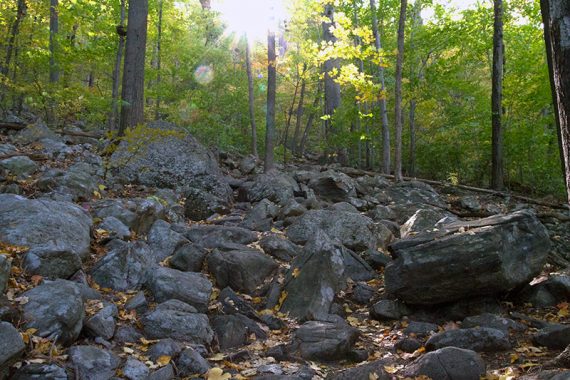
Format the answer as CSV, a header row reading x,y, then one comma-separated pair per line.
x,y
204,74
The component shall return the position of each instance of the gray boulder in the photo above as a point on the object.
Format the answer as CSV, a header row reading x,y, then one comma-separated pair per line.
x,y
135,370
386,310
11,346
483,257
333,186
5,267
242,270
164,347
92,363
549,292
214,236
55,309
40,372
260,216
492,321
80,181
276,186
192,288
19,166
279,247
138,214
234,330
35,132
482,339
423,220
188,258
201,204
103,323
115,228
190,362
163,241
450,363
555,336
368,371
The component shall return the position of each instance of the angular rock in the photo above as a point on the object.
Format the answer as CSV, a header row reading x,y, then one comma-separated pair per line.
x,y
333,186
92,363
325,340
11,346
492,321
137,302
115,228
178,324
41,372
408,345
374,370
55,309
165,373
137,214
135,370
247,164
232,303
260,216
546,293
164,347
409,197
234,330
192,288
191,362
423,220
362,293
212,236
554,337
242,270
385,310
35,132
51,262
125,267
448,363
421,329
188,258
200,205
276,186
279,247
484,257
79,181
103,323
355,231
163,241
5,267
19,166
477,339
319,275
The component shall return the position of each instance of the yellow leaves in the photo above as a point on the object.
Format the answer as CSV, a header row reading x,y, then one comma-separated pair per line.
x,y
355,322
163,360
12,250
217,374
217,358
391,369
563,311
514,358
282,298
26,335
296,272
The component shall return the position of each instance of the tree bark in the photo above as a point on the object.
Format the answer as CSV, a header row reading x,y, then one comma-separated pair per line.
x,y
14,30
53,30
556,20
414,79
310,121
299,112
251,97
332,89
383,109
132,110
497,174
271,92
117,70
398,93
158,61
206,4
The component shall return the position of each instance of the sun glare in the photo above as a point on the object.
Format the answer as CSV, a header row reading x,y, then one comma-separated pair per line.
x,y
252,17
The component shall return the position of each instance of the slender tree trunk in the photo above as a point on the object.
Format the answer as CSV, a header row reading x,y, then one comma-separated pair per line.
x,y
310,121
14,30
271,91
158,61
555,15
332,89
398,93
299,113
206,4
414,78
121,31
53,30
132,110
497,175
251,97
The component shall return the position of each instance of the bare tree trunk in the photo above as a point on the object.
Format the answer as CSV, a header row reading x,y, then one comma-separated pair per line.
x,y
14,30
310,121
383,109
412,166
332,89
53,30
398,93
121,31
206,4
555,15
158,61
497,174
132,110
414,78
251,97
299,113
271,91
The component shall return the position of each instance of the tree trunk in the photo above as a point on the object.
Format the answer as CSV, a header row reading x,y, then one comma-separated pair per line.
x,y
53,30
398,93
14,30
555,15
310,121
412,166
497,175
251,97
299,113
271,91
158,61
117,70
332,89
132,110
206,4
383,109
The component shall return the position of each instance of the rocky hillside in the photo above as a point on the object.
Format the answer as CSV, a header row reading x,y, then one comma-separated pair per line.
x,y
166,261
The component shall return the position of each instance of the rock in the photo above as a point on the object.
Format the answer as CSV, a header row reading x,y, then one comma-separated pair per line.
x,y
11,346
423,220
188,258
319,275
55,309
333,186
192,288
163,241
125,267
488,256
127,334
362,293
5,268
19,166
35,132
80,181
8,311
259,218
92,363
177,323
409,197
407,345
137,302
477,339
135,370
247,164
421,329
385,310
554,337
492,321
165,373
292,209
164,347
191,362
103,323
232,303
279,247
276,186
377,260
115,228
137,214
242,270
448,363
343,207
40,372
374,370
7,149
201,205
471,203
46,227
212,236
381,212
549,292
355,231
234,330
325,340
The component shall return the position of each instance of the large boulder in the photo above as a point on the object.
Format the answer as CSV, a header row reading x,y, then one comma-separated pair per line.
x,y
450,363
19,166
353,230
333,186
57,233
79,181
11,346
405,198
214,236
92,363
55,310
276,186
136,213
480,339
5,267
465,259
163,241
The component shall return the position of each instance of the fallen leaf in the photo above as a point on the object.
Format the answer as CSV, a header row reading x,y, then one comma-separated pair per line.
x,y
391,369
296,272
163,360
217,374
